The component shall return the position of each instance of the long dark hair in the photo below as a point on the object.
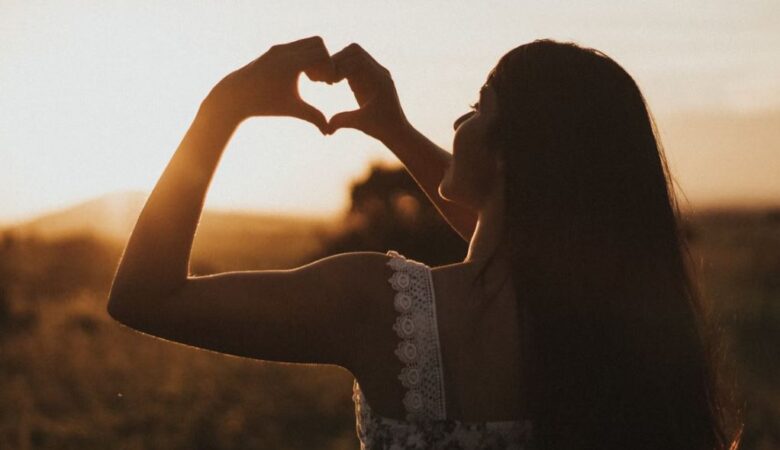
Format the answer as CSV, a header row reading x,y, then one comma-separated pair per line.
x,y
616,352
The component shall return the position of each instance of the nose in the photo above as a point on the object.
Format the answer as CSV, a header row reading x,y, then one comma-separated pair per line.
x,y
461,119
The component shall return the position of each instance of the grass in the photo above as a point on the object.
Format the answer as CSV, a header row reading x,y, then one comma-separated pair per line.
x,y
70,377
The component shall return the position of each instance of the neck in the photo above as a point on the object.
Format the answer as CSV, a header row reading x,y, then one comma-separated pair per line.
x,y
486,241
487,237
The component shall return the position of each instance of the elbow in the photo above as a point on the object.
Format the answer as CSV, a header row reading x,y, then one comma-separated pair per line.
x,y
135,307
133,291
121,298
128,312
123,304
117,309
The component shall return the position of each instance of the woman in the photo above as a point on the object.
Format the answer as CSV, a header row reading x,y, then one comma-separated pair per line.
x,y
572,322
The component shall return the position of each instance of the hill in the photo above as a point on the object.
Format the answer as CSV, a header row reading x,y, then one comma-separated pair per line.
x,y
225,240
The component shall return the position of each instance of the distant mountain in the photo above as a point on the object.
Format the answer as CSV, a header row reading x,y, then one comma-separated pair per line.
x,y
111,216
227,239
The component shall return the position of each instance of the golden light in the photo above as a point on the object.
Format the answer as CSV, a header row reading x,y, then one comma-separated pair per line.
x,y
96,97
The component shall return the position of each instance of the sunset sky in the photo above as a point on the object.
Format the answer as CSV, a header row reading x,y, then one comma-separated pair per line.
x,y
96,96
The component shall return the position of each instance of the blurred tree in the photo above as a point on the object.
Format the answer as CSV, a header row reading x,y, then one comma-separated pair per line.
x,y
389,211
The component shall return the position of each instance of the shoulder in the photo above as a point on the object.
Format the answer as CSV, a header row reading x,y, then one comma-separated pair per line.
x,y
351,267
361,275
349,260
359,282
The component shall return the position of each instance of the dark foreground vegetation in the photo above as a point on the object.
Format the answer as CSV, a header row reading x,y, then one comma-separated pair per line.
x,y
71,378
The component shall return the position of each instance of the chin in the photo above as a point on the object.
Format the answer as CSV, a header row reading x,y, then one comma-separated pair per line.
x,y
444,189
444,192
451,193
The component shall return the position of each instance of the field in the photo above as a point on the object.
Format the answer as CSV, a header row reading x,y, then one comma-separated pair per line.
x,y
72,378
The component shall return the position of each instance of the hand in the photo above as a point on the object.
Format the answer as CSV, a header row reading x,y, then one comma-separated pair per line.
x,y
268,86
380,114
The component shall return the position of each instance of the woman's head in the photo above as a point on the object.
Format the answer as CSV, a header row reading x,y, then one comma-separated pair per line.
x,y
616,348
557,116
476,169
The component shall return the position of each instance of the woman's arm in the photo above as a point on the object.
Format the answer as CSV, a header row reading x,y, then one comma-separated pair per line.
x,y
155,260
381,116
313,313
427,162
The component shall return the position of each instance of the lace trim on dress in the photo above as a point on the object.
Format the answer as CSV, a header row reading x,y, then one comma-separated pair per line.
x,y
419,347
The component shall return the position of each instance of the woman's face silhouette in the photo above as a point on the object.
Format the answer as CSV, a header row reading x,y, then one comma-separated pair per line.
x,y
471,175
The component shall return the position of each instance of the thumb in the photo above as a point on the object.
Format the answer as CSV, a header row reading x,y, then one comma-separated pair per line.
x,y
346,119
311,114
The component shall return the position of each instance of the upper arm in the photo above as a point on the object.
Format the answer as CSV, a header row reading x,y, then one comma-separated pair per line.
x,y
310,314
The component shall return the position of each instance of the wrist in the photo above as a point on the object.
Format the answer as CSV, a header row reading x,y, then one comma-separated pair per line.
x,y
398,135
217,107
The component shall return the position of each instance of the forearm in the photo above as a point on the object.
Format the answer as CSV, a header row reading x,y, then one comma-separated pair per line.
x,y
427,162
156,259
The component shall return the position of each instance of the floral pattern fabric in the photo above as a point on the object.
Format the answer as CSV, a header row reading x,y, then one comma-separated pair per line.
x,y
426,425
418,346
378,432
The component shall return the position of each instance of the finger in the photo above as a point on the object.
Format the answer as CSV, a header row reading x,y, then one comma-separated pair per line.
x,y
311,114
355,50
346,119
370,58
342,59
305,57
324,71
307,42
303,50
344,51
348,65
351,49
315,61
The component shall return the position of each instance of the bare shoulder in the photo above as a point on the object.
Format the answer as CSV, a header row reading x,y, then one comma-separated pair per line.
x,y
352,259
363,276
450,279
359,270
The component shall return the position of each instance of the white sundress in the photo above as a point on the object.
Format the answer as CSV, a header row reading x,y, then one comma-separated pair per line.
x,y
426,425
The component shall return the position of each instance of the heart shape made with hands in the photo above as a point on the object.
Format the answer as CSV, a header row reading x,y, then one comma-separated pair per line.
x,y
330,99
346,64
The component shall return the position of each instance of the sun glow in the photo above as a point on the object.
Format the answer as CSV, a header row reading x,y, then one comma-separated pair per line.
x,y
96,97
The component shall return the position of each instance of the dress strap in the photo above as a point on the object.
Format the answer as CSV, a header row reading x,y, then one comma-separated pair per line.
x,y
419,348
